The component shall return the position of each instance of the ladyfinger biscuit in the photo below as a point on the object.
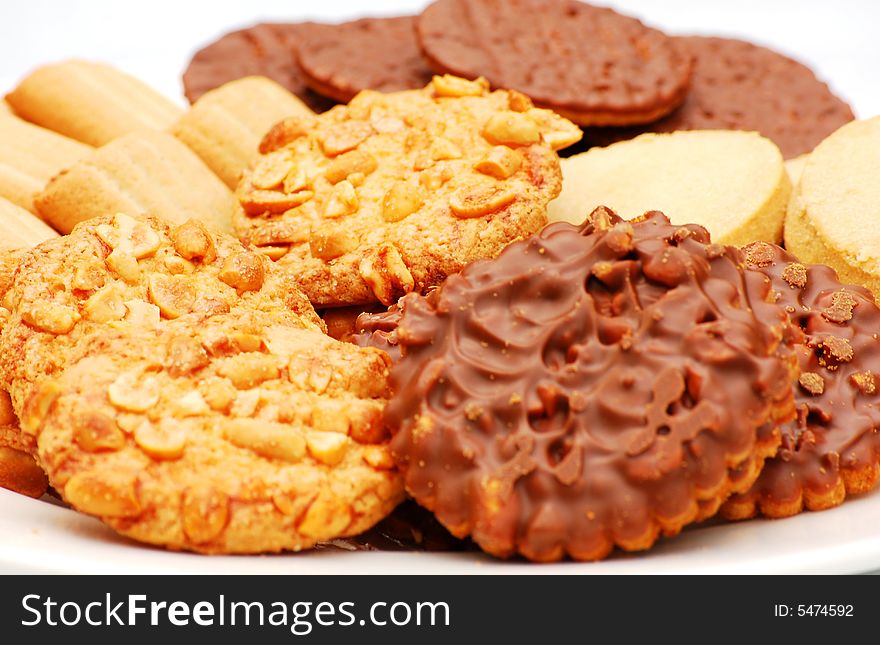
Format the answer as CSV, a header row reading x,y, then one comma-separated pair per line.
x,y
733,183
90,102
21,229
833,213
139,173
225,125
30,156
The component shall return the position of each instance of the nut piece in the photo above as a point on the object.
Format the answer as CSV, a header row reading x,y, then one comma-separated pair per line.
x,y
165,441
343,200
386,274
204,514
103,494
350,163
512,129
97,432
329,242
191,404
105,305
274,251
285,132
268,439
134,392
218,393
378,457
401,200
344,137
270,171
247,371
173,294
258,202
38,404
519,102
500,162
129,235
51,318
327,447
455,86
125,265
328,515
558,132
88,276
142,313
193,241
482,200
243,272
442,149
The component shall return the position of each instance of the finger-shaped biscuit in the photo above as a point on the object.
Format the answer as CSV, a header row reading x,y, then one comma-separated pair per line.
x,y
21,229
225,125
832,213
140,173
90,102
732,183
30,156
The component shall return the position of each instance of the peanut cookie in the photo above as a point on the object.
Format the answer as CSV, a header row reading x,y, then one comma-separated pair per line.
x,y
832,448
181,389
369,54
732,183
267,49
832,212
394,192
592,386
590,64
741,86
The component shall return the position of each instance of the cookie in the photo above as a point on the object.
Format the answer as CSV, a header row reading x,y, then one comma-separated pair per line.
x,y
739,86
20,229
591,387
732,183
369,54
225,125
394,192
831,213
19,472
589,64
30,156
795,168
143,173
182,390
262,50
832,449
90,102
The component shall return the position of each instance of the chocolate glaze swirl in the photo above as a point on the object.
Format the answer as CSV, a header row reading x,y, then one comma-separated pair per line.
x,y
592,386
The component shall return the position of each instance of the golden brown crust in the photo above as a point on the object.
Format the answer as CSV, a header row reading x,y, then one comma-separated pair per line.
x,y
182,389
394,192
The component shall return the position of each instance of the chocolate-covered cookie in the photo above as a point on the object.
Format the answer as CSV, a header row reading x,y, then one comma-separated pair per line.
x,y
368,54
739,86
266,49
590,64
592,386
832,448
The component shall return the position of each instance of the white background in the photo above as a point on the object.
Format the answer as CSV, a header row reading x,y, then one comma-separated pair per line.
x,y
154,39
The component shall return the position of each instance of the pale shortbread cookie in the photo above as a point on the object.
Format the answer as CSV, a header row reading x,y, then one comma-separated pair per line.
x,y
90,102
795,168
21,229
394,192
30,156
143,173
732,183
833,213
182,389
225,125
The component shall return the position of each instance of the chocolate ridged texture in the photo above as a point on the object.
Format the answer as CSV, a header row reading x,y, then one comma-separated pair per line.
x,y
833,447
379,330
590,64
267,49
739,86
592,386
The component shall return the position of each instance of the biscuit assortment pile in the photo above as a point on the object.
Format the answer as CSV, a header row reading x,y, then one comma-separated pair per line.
x,y
351,298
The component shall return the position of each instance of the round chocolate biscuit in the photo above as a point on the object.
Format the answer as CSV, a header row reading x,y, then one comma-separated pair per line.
x,y
368,54
266,49
592,386
741,86
590,64
832,448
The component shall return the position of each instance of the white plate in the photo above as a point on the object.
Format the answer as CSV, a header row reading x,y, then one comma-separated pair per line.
x,y
836,39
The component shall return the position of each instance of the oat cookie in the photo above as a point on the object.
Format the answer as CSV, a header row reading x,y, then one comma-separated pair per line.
x,y
592,386
590,64
832,448
394,192
181,389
